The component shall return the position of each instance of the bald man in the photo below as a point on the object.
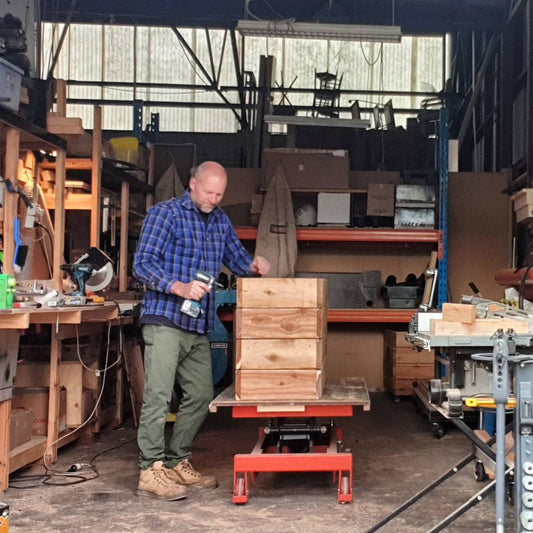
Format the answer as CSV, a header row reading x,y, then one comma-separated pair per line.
x,y
180,237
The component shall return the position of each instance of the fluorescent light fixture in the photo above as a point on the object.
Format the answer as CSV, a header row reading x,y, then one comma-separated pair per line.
x,y
317,30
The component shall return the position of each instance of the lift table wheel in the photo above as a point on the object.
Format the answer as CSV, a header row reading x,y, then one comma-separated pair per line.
x,y
240,490
480,473
345,489
437,429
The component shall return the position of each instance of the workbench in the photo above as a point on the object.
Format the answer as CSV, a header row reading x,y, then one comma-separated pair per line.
x,y
65,322
338,399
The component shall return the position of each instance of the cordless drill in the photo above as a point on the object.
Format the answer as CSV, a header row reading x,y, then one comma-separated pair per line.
x,y
192,307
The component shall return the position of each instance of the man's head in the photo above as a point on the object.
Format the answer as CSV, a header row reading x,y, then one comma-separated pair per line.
x,y
208,184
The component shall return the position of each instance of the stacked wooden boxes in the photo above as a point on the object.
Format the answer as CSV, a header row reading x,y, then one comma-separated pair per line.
x,y
403,364
280,332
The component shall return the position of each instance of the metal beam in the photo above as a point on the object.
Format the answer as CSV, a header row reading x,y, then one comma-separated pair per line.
x,y
61,39
240,82
197,61
477,87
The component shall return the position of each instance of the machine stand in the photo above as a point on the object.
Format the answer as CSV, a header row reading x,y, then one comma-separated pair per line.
x,y
274,455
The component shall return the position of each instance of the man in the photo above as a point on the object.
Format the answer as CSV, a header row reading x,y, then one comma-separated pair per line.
x,y
180,237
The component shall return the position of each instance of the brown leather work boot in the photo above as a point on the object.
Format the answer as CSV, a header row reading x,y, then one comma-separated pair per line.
x,y
185,474
156,482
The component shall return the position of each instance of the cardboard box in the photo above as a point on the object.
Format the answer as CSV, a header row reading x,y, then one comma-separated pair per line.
x,y
35,399
20,427
333,208
309,169
380,199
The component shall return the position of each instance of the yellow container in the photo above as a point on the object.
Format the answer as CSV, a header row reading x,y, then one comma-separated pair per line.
x,y
125,148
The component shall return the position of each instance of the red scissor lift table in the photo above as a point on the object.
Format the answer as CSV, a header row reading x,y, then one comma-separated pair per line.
x,y
292,426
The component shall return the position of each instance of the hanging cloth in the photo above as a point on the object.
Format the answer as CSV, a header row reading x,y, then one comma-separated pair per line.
x,y
276,235
169,185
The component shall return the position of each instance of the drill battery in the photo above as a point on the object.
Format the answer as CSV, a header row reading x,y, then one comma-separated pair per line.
x,y
7,289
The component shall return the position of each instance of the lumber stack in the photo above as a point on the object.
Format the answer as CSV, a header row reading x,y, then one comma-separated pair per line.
x,y
403,364
280,332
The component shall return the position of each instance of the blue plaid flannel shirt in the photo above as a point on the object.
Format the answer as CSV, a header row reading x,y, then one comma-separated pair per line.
x,y
175,243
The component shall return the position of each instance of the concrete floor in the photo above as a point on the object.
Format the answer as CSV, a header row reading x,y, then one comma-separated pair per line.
x,y
394,452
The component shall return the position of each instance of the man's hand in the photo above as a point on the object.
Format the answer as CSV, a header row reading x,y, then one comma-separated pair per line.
x,y
260,266
194,290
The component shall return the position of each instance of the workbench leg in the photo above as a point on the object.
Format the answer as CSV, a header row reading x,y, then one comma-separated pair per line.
x,y
5,415
53,400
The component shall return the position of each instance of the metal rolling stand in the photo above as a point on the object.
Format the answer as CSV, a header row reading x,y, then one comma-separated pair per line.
x,y
502,355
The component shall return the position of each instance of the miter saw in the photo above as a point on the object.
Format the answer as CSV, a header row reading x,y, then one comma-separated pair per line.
x,y
92,272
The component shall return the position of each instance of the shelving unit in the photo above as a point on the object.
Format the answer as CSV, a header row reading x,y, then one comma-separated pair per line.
x,y
118,177
356,235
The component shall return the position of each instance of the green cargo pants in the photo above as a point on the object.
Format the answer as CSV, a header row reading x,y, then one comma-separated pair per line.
x,y
173,356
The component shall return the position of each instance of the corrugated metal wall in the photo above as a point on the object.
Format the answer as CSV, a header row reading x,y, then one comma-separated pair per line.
x,y
148,54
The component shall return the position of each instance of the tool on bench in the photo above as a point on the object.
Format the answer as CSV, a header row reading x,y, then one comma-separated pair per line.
x,y
193,308
92,272
7,289
488,403
492,309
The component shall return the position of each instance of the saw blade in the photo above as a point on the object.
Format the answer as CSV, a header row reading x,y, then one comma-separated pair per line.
x,y
100,279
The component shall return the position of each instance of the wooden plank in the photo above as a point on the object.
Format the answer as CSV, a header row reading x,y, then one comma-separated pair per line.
x,y
64,125
14,319
280,323
10,200
5,414
59,221
124,235
276,384
430,279
465,313
481,327
281,292
53,400
96,177
27,453
75,201
279,353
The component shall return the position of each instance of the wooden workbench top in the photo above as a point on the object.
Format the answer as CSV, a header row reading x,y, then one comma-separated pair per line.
x,y
22,318
341,391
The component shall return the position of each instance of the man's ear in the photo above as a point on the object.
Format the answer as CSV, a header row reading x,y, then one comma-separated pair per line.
x,y
192,183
